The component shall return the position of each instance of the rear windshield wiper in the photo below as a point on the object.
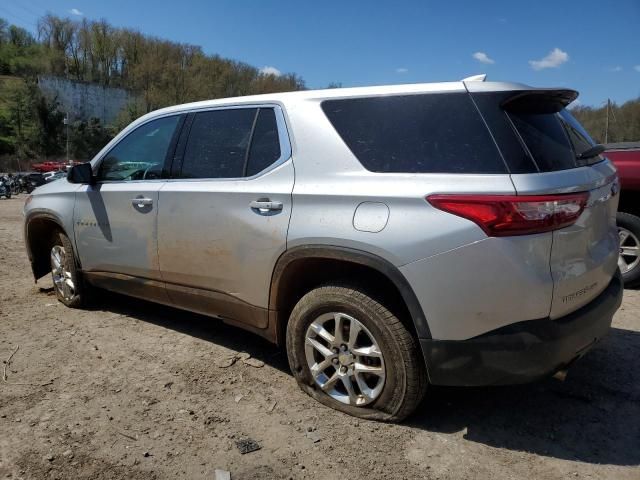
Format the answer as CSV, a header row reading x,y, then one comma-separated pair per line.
x,y
594,151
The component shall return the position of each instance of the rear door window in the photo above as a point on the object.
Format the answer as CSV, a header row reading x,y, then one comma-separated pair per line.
x,y
427,133
265,144
230,143
218,143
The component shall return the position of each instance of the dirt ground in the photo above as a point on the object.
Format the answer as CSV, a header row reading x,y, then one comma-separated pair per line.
x,y
129,389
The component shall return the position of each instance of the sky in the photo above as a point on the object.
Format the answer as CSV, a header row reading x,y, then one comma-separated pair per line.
x,y
592,46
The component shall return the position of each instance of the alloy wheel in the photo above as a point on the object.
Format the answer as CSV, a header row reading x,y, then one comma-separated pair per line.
x,y
629,250
62,278
345,359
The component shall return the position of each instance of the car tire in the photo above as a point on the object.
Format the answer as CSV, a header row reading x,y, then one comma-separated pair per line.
x,y
398,378
67,280
629,230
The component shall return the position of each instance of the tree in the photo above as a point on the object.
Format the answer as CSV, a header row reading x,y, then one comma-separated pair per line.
x,y
49,139
157,72
56,35
624,121
86,138
19,124
163,72
4,31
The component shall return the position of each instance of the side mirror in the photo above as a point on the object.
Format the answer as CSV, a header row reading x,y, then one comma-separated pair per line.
x,y
81,173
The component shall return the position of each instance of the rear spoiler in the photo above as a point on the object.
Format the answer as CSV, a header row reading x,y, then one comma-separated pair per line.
x,y
539,101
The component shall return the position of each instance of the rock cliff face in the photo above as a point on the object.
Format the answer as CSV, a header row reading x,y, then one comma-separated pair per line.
x,y
85,100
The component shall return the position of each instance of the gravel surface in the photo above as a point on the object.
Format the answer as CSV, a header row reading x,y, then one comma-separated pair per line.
x,y
129,389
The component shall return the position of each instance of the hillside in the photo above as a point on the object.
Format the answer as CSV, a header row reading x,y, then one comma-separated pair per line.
x,y
153,73
157,72
624,121
8,84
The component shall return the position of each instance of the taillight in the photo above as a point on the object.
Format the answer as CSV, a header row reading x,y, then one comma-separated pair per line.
x,y
506,215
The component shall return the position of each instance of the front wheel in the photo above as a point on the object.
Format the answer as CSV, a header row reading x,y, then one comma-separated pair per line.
x,y
349,352
66,277
629,259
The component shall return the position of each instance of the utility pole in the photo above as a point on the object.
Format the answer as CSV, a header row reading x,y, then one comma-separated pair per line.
x,y
606,125
66,122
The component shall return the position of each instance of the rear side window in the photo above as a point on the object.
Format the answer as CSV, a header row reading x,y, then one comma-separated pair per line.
x,y
431,133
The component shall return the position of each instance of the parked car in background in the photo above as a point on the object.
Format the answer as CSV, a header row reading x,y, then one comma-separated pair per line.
x,y
33,180
51,166
626,157
55,176
48,166
455,233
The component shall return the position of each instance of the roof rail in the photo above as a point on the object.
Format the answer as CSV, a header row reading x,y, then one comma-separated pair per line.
x,y
476,78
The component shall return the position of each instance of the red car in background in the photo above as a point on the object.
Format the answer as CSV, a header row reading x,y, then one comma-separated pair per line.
x,y
48,166
626,157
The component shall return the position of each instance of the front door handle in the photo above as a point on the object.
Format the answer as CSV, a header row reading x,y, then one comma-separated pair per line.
x,y
264,206
141,202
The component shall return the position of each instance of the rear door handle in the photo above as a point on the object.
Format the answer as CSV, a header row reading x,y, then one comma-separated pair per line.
x,y
264,206
141,202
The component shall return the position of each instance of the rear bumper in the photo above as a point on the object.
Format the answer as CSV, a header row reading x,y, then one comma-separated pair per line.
x,y
524,351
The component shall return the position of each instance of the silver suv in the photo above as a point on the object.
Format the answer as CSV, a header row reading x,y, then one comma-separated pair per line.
x,y
391,237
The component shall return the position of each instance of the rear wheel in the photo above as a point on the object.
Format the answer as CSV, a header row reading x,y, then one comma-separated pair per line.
x,y
66,277
349,352
629,259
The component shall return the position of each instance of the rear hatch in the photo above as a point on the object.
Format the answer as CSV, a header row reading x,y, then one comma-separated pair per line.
x,y
542,144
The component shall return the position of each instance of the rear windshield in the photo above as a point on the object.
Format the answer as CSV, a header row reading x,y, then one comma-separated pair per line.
x,y
534,132
554,139
429,133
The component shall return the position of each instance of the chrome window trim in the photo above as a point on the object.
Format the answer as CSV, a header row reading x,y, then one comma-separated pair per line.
x,y
283,138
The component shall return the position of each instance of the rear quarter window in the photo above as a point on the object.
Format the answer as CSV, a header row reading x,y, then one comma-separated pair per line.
x,y
546,139
554,139
429,133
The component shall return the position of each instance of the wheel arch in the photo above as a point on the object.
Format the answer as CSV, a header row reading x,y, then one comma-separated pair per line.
x,y
302,268
38,229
